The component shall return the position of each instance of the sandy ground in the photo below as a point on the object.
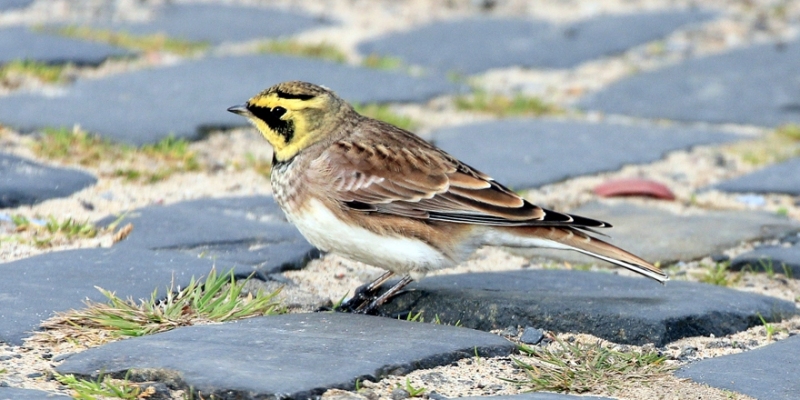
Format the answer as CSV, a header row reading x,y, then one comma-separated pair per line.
x,y
225,172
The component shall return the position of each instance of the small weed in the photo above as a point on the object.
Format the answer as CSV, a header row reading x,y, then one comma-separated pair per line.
x,y
578,368
502,106
412,317
325,51
219,298
719,274
768,328
146,43
384,113
782,212
412,391
789,131
376,61
782,144
103,387
338,304
50,73
45,233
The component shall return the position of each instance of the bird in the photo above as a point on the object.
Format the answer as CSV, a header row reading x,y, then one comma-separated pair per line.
x,y
375,193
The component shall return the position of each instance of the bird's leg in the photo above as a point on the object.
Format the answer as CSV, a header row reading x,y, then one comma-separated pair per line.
x,y
365,293
373,305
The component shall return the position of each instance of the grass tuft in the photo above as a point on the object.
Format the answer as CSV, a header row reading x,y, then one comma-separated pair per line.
x,y
376,61
503,106
218,298
719,274
580,367
384,113
146,43
782,144
50,231
324,51
50,73
102,388
162,159
411,390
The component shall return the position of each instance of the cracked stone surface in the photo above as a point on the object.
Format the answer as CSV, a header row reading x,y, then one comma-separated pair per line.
x,y
474,45
591,148
678,237
288,361
24,182
783,177
620,309
758,85
769,372
52,49
231,22
217,83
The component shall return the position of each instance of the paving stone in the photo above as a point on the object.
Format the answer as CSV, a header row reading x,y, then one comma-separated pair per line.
x,y
147,105
8,393
620,309
779,178
287,356
779,259
536,396
241,231
69,277
474,45
231,22
13,4
767,373
20,43
759,85
676,237
24,182
557,150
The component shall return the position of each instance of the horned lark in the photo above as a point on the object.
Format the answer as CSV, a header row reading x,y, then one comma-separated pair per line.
x,y
378,194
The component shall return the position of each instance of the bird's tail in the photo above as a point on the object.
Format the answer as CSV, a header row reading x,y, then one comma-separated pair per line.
x,y
568,238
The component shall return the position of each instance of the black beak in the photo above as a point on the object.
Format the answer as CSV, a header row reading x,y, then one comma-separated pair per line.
x,y
240,109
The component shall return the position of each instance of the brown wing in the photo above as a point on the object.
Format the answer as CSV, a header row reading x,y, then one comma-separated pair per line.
x,y
404,175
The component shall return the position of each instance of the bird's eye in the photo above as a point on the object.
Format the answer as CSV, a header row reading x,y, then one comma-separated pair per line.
x,y
278,111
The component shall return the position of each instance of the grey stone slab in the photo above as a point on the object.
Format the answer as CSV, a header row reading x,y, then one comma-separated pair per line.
x,y
24,182
659,235
14,4
759,85
536,396
34,288
620,309
231,22
20,43
478,44
778,259
243,231
527,153
287,356
779,178
767,373
8,393
147,105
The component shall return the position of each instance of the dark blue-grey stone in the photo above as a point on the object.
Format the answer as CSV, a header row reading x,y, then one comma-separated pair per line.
x,y
242,230
147,105
24,182
659,235
536,396
34,288
779,178
9,393
478,44
778,259
12,4
20,43
766,373
759,85
287,356
531,335
527,153
230,22
616,308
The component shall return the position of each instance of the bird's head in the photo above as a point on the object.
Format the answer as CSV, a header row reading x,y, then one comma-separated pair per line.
x,y
293,115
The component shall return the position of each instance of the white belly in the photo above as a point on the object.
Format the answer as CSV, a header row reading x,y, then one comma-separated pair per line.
x,y
394,253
